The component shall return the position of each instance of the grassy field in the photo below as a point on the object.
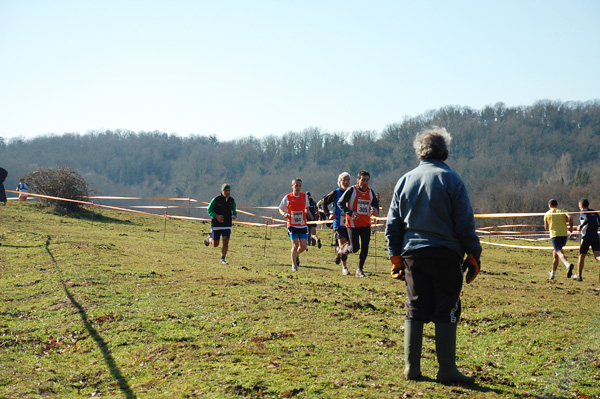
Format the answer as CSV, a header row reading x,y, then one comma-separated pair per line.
x,y
117,307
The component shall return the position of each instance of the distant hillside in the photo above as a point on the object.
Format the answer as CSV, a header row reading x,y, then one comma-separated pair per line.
x,y
512,159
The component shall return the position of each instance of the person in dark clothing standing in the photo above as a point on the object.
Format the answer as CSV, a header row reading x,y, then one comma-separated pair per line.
x,y
3,175
223,212
588,226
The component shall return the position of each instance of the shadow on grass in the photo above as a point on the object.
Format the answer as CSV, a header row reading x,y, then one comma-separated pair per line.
x,y
313,267
471,387
22,246
80,213
95,217
110,361
478,388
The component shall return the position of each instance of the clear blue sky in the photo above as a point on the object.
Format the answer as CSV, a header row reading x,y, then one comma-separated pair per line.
x,y
239,68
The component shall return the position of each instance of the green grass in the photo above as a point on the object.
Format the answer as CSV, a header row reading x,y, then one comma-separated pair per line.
x,y
119,308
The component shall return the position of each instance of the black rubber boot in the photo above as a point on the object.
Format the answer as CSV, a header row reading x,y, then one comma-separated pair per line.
x,y
413,344
445,346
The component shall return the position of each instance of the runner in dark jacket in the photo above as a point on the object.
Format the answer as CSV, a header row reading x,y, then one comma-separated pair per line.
x,y
589,220
312,228
222,210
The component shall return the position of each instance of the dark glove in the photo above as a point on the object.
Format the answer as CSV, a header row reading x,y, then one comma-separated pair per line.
x,y
472,266
397,267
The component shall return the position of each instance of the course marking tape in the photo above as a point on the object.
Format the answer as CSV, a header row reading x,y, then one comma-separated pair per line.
x,y
513,225
137,198
187,218
524,246
488,231
258,207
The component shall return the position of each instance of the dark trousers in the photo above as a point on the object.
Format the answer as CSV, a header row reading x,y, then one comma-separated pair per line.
x,y
433,284
358,236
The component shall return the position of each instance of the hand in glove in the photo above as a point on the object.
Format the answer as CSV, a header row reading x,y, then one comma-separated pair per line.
x,y
472,266
397,267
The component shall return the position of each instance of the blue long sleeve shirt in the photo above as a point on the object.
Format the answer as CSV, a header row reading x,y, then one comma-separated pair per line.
x,y
431,208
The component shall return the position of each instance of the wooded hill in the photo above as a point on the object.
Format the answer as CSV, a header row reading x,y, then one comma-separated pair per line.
x,y
511,158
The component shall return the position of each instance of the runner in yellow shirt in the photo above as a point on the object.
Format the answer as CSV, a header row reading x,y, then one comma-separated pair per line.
x,y
555,221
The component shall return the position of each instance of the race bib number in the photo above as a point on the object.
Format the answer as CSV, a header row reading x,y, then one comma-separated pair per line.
x,y
297,217
363,207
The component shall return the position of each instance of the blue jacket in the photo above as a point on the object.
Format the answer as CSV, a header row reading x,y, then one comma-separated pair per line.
x,y
332,198
431,208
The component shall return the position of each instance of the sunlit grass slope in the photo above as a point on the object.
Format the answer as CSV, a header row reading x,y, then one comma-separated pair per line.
x,y
117,307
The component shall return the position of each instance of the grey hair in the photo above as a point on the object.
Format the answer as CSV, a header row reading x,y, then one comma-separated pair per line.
x,y
341,176
432,143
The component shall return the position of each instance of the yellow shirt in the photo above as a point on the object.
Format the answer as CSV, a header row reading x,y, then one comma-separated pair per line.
x,y
557,222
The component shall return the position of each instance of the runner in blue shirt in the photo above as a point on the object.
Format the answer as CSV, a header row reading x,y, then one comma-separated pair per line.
x,y
339,228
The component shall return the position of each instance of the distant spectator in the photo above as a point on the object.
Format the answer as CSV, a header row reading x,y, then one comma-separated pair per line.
x,y
3,175
23,190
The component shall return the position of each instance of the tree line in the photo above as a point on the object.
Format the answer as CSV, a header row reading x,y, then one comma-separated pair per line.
x,y
512,159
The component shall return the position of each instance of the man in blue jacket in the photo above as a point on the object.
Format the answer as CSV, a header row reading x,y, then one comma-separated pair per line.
x,y
430,226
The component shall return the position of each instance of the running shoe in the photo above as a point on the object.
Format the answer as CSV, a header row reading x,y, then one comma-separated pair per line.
x,y
569,270
207,240
347,249
359,273
345,271
337,259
